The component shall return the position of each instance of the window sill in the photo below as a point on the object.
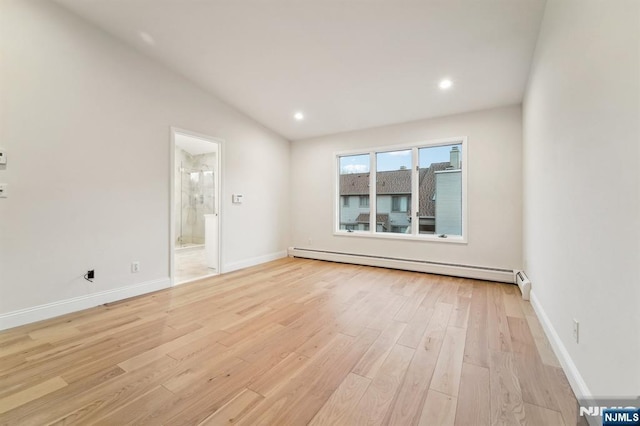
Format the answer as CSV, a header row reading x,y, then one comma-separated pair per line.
x,y
392,236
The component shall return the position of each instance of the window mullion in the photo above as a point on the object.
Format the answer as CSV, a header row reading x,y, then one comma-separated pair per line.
x,y
373,202
415,189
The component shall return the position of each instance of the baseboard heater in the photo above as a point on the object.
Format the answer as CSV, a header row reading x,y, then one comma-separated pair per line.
x,y
524,284
441,268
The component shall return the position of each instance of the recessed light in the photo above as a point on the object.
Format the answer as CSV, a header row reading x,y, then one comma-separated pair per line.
x,y
146,37
445,84
298,116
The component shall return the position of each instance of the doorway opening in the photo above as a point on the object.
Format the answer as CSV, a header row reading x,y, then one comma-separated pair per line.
x,y
195,206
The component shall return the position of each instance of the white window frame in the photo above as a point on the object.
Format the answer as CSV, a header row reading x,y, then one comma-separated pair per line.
x,y
415,202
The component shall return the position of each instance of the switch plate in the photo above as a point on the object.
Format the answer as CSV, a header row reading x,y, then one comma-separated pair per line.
x,y
3,190
135,267
3,156
237,198
576,330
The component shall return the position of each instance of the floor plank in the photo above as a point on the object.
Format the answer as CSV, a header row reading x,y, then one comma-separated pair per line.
x,y
415,328
473,398
498,328
439,409
343,401
273,380
476,348
507,407
539,416
234,409
446,377
19,398
136,409
542,343
373,406
375,356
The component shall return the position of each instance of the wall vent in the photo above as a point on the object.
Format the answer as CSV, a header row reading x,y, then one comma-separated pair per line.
x,y
524,284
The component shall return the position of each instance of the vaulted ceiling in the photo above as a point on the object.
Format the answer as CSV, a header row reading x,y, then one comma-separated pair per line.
x,y
346,65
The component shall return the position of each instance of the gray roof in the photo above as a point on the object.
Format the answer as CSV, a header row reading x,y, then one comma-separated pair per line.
x,y
397,182
393,182
364,218
354,184
427,188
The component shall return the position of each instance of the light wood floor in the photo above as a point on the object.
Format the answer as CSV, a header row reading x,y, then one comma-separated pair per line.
x,y
292,342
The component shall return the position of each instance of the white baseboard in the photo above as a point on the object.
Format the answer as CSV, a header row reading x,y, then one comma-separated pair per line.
x,y
246,263
465,271
578,385
55,309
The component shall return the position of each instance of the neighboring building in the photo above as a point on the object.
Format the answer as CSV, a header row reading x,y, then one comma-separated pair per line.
x,y
439,205
393,201
448,203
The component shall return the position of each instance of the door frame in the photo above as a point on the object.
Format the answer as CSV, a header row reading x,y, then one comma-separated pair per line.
x,y
172,210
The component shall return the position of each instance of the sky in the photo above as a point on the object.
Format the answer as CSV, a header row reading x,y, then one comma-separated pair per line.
x,y
395,160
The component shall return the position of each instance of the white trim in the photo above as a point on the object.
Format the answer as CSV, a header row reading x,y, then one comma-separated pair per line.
x,y
576,381
373,196
456,239
219,192
415,189
336,190
172,203
465,271
62,307
465,193
234,266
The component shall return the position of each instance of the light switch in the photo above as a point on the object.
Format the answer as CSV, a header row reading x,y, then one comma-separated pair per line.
x,y
3,156
237,198
3,190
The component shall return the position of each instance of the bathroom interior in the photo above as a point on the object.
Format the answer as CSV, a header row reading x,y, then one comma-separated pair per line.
x,y
196,213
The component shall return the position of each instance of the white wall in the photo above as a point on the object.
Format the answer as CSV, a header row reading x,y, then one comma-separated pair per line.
x,y
582,187
494,189
86,124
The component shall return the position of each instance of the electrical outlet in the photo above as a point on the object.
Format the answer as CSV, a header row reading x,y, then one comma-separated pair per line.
x,y
576,330
135,267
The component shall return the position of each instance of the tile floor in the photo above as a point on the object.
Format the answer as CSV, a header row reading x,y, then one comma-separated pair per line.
x,y
190,264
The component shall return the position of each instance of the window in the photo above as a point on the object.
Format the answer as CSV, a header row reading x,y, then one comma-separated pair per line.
x,y
440,206
354,182
410,191
393,176
400,203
